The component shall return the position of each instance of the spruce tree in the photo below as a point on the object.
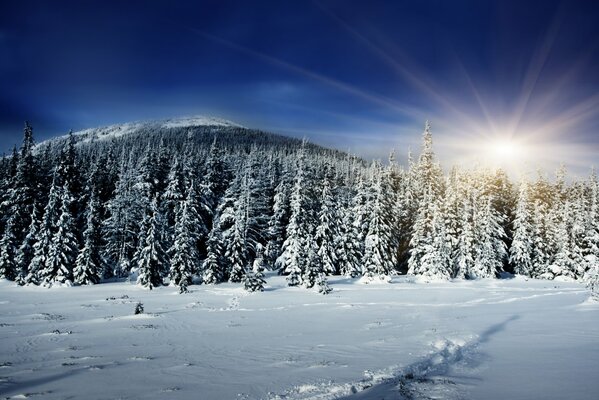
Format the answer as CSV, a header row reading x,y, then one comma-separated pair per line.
x,y
489,246
151,259
26,251
522,243
253,280
327,231
63,249
8,250
38,273
89,265
212,267
184,254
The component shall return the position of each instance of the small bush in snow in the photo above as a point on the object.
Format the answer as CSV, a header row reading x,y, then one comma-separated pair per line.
x,y
139,308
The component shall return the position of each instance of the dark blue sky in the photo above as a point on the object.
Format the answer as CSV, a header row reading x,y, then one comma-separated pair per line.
x,y
359,74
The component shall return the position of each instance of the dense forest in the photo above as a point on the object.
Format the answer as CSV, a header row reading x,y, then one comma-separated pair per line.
x,y
180,205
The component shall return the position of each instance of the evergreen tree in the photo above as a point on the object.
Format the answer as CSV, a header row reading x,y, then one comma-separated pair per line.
x,y
293,259
430,252
489,245
89,265
313,266
253,280
465,253
184,255
323,285
63,249
151,259
26,251
8,250
212,267
38,273
327,231
522,243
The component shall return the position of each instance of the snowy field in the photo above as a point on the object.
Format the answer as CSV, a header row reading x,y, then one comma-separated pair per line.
x,y
491,339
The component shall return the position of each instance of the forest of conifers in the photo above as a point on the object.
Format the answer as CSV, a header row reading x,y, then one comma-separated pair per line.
x,y
209,204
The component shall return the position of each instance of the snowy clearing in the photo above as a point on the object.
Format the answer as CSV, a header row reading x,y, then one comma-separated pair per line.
x,y
491,339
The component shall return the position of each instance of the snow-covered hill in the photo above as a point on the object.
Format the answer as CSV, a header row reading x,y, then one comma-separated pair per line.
x,y
119,130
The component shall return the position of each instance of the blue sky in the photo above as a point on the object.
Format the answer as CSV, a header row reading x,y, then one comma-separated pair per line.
x,y
363,75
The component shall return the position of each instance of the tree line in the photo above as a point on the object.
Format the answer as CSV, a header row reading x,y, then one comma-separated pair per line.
x,y
208,205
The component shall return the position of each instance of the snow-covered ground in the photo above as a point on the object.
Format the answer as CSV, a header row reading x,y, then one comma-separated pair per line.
x,y
490,339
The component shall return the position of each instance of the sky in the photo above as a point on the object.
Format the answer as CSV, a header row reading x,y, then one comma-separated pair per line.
x,y
511,83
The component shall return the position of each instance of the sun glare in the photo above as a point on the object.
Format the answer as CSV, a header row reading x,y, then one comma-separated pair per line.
x,y
505,150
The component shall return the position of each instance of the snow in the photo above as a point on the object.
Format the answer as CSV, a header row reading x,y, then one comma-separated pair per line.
x,y
491,339
115,131
198,121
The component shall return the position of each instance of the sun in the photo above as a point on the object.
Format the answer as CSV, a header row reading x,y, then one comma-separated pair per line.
x,y
504,150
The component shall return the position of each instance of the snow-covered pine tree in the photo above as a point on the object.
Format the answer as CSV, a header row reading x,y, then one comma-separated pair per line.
x,y
63,249
464,256
453,204
172,198
378,252
489,247
217,172
278,221
237,246
522,247
323,284
253,280
327,230
26,252
428,173
295,248
184,253
41,249
24,188
542,240
212,267
313,265
89,264
591,245
563,264
430,252
121,229
347,245
8,250
151,260
7,182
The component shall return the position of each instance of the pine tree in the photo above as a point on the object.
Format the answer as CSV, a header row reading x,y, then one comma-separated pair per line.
x,y
522,243
563,264
8,250
212,266
313,266
63,249
184,254
253,280
489,245
378,253
26,251
89,265
38,273
293,259
327,231
430,253
278,222
323,285
465,246
151,260
122,227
